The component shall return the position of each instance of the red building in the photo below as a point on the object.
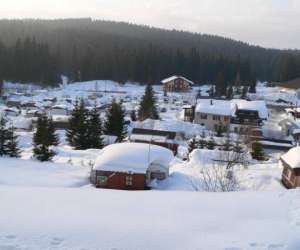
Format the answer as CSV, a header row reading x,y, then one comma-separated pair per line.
x,y
131,166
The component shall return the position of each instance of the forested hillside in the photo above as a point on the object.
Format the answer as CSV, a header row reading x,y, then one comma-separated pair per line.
x,y
41,50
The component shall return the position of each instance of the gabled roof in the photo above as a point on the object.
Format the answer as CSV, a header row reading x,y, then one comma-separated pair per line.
x,y
176,77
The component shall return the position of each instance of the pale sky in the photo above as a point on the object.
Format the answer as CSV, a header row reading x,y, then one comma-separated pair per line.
x,y
269,23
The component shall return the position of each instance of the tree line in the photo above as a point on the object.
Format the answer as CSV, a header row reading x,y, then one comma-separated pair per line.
x,y
83,49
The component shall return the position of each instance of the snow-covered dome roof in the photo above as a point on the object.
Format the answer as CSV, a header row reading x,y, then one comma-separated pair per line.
x,y
132,157
292,157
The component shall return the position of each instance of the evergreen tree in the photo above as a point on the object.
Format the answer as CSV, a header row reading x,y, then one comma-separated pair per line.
x,y
94,130
1,87
192,145
12,144
229,94
44,138
148,105
252,88
227,145
211,144
257,151
244,92
220,85
3,137
77,130
219,129
115,124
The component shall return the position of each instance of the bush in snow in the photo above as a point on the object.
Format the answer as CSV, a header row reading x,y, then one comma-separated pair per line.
x,y
257,151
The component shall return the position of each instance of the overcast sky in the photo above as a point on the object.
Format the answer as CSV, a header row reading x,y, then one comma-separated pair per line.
x,y
269,23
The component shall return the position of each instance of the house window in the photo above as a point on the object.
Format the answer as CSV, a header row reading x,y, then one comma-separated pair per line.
x,y
217,118
129,180
102,180
203,116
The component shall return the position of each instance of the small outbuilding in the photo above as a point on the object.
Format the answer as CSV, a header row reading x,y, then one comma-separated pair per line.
x,y
291,168
131,166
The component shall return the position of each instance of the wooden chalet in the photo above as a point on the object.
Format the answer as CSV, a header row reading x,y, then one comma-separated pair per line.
x,y
177,84
291,168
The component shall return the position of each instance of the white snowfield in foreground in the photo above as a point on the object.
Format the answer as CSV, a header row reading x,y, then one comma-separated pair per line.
x,y
74,218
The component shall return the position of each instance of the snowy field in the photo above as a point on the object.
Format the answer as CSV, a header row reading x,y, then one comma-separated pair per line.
x,y
86,218
52,206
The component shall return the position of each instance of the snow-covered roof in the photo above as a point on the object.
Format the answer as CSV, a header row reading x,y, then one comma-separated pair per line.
x,y
259,106
292,157
228,108
214,107
172,78
132,157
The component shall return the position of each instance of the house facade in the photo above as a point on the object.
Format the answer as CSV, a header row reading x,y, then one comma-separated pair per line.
x,y
130,166
213,113
177,84
290,162
239,116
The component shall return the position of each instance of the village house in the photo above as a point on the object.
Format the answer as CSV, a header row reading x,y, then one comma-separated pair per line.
x,y
131,166
167,139
176,84
248,117
237,115
60,109
291,168
212,113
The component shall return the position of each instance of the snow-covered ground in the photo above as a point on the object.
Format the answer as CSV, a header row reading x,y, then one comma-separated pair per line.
x,y
53,206
85,218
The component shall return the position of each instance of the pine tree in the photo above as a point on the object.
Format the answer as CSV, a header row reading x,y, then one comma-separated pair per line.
x,y
148,105
3,137
257,151
229,94
44,138
12,144
252,88
219,129
77,131
244,92
192,145
220,85
94,130
115,124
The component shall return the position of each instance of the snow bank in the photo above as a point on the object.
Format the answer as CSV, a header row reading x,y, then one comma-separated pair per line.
x,y
76,219
27,173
